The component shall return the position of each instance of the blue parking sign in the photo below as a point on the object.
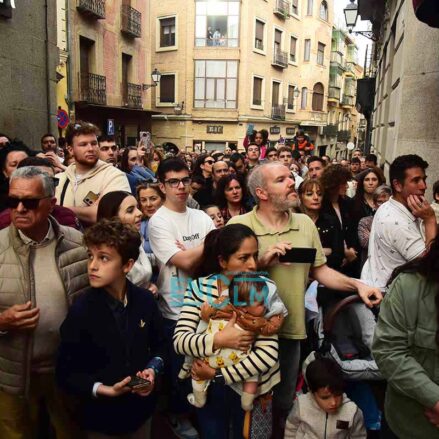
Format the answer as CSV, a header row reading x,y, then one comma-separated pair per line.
x,y
110,127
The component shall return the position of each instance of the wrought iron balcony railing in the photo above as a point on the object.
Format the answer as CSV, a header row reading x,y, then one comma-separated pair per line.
x,y
92,8
282,9
330,130
280,59
93,88
348,101
132,95
278,112
131,21
334,93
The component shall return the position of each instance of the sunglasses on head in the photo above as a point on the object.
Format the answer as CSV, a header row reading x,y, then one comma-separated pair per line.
x,y
28,203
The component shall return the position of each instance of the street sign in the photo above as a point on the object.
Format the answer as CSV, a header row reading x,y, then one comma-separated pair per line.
x,y
110,127
62,118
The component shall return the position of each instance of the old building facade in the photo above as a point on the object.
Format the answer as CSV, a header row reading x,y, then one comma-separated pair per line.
x,y
230,66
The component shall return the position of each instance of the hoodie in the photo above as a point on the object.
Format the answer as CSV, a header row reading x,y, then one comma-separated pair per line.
x,y
308,421
83,190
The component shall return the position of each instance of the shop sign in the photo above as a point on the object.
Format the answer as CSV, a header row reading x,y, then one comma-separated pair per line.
x,y
214,129
275,130
291,131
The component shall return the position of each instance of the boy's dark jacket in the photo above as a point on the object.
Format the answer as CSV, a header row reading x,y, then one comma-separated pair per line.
x,y
93,350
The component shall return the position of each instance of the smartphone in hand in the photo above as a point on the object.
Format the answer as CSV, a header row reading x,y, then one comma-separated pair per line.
x,y
138,383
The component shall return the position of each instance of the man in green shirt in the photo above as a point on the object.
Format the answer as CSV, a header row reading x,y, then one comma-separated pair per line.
x,y
278,230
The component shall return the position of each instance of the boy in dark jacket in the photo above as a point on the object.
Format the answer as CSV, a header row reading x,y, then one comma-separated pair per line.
x,y
112,336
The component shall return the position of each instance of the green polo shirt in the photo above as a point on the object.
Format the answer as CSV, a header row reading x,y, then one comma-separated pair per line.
x,y
291,279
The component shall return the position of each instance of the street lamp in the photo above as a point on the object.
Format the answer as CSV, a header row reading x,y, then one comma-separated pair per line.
x,y
351,16
155,76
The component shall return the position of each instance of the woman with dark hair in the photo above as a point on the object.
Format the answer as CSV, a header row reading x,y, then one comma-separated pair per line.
x,y
367,183
123,205
339,206
311,197
227,251
135,174
231,196
406,348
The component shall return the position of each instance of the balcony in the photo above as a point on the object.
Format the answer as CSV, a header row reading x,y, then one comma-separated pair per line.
x,y
337,60
131,22
278,112
343,136
280,59
330,130
334,93
282,9
348,101
92,8
93,89
132,95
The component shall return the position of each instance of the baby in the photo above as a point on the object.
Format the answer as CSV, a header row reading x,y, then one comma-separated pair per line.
x,y
248,299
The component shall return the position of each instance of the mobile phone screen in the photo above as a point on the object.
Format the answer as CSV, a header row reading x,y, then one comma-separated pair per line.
x,y
301,255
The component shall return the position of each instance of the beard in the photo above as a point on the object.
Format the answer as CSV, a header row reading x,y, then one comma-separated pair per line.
x,y
284,204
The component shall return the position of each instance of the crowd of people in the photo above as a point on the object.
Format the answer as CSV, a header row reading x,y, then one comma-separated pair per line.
x,y
144,279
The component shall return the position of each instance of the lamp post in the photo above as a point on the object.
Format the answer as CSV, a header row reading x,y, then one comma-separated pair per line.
x,y
155,76
351,16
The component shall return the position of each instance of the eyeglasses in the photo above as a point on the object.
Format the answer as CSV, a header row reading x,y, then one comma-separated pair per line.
x,y
211,162
175,182
28,203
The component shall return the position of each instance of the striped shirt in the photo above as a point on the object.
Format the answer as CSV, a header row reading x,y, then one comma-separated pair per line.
x,y
261,361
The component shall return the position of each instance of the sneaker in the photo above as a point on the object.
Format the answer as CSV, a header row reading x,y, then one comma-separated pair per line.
x,y
182,428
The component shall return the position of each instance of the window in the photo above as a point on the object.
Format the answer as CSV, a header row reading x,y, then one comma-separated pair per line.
x,y
304,101
323,13
275,93
277,40
216,84
259,35
307,50
309,7
320,54
295,7
257,91
317,97
167,32
217,23
167,89
293,47
290,100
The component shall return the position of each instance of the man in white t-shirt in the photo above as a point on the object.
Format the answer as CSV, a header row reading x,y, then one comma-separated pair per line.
x,y
176,234
403,226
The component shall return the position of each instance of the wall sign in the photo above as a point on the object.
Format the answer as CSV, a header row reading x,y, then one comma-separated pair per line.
x,y
275,130
291,131
214,129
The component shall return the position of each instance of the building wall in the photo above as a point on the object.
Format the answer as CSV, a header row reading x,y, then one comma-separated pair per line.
x,y
190,126
27,71
407,90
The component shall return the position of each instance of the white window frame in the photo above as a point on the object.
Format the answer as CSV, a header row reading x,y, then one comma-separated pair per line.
x,y
279,81
294,63
282,39
158,33
322,64
258,107
261,52
308,2
290,84
297,16
157,95
304,48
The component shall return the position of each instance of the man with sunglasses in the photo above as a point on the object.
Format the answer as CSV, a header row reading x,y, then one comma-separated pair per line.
x,y
43,265
62,214
107,149
173,227
88,178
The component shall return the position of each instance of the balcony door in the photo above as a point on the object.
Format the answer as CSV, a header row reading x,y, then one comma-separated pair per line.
x,y
126,61
275,94
277,40
85,49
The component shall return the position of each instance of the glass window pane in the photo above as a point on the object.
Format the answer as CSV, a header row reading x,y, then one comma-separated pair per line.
x,y
201,8
210,88
233,43
220,89
199,88
231,89
232,69
216,69
231,104
217,8
233,8
233,27
200,69
200,27
199,104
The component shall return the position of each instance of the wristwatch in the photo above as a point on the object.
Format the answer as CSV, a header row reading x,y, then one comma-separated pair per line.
x,y
219,377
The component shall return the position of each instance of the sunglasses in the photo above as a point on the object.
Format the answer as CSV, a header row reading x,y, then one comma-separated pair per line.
x,y
211,162
28,203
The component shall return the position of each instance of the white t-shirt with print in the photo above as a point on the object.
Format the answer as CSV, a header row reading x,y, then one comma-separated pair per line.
x,y
396,237
165,228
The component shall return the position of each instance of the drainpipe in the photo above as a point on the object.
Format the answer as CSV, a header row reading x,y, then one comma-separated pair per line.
x,y
69,59
46,23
